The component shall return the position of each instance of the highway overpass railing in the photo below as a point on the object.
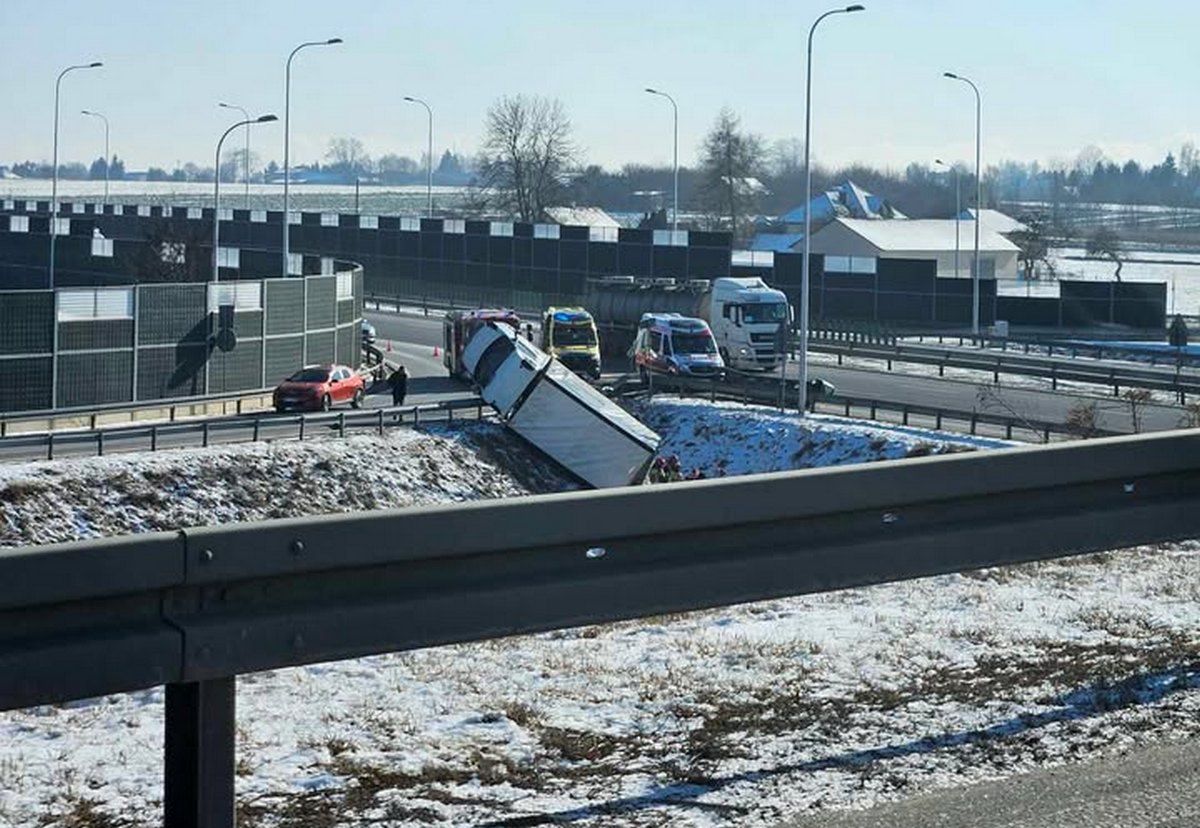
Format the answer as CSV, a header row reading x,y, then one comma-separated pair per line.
x,y
195,608
1178,382
260,425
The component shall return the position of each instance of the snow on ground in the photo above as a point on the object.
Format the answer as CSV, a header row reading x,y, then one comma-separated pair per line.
x,y
740,716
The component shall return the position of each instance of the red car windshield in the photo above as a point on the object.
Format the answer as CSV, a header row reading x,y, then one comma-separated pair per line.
x,y
309,375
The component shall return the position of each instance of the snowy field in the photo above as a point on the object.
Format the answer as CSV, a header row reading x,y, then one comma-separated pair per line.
x,y
737,716
1180,272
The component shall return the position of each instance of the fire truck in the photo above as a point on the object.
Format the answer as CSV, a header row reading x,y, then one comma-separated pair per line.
x,y
457,329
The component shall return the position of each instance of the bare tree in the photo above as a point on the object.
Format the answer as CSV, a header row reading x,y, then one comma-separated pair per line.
x,y
527,150
787,157
729,161
348,155
1104,244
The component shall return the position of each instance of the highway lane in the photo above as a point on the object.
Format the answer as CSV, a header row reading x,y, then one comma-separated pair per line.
x,y
1033,404
1155,787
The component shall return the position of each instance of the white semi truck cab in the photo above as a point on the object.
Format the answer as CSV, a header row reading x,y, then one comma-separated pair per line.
x,y
745,316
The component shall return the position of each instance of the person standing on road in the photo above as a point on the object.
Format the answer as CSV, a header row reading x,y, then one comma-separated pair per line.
x,y
399,382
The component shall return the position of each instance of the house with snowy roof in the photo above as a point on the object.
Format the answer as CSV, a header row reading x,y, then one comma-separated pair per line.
x,y
581,216
852,245
995,221
847,200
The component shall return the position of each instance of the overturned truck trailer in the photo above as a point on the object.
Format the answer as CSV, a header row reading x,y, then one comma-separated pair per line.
x,y
557,412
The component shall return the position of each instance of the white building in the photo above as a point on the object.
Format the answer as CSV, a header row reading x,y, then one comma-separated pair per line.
x,y
847,244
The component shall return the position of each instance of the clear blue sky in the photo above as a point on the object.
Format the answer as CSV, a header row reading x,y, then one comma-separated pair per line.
x,y
1055,76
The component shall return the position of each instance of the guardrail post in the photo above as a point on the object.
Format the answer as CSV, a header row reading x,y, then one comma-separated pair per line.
x,y
1046,434
380,416
199,743
847,408
904,415
171,416
154,438
50,446
974,422
996,372
92,422
99,443
341,423
873,410
301,436
1053,377
889,363
449,415
416,415
257,421
239,407
1008,430
937,420
204,434
479,411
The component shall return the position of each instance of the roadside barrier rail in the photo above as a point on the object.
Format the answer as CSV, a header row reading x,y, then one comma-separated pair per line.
x,y
195,608
263,425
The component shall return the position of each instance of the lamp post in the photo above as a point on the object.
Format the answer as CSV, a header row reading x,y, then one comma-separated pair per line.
x,y
107,157
675,161
287,107
978,200
54,172
428,155
957,208
803,333
262,119
246,166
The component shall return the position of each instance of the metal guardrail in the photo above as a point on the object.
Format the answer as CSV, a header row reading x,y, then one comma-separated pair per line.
x,y
1176,381
93,413
1072,350
172,405
195,608
766,390
233,428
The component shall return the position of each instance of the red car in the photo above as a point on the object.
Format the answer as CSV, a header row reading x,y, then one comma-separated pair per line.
x,y
319,388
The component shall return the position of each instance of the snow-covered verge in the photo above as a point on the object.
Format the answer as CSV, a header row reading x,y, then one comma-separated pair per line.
x,y
51,502
737,716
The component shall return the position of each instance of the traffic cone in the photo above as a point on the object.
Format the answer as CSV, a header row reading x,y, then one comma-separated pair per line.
x,y
436,352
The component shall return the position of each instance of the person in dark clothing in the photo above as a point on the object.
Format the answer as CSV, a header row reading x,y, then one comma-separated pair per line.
x,y
399,382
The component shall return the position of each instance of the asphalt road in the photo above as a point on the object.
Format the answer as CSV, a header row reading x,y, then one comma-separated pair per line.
x,y
1053,406
1157,787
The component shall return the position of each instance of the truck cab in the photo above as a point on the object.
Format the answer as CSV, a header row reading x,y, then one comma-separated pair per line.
x,y
746,315
669,343
569,335
460,325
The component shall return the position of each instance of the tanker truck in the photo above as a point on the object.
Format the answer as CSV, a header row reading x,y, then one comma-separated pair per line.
x,y
744,313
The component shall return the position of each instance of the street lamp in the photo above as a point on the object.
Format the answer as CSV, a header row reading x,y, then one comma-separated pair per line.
x,y
978,201
262,119
54,172
106,155
287,105
675,162
249,120
803,395
429,154
957,208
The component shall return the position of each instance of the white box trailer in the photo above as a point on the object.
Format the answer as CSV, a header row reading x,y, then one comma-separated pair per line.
x,y
557,412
